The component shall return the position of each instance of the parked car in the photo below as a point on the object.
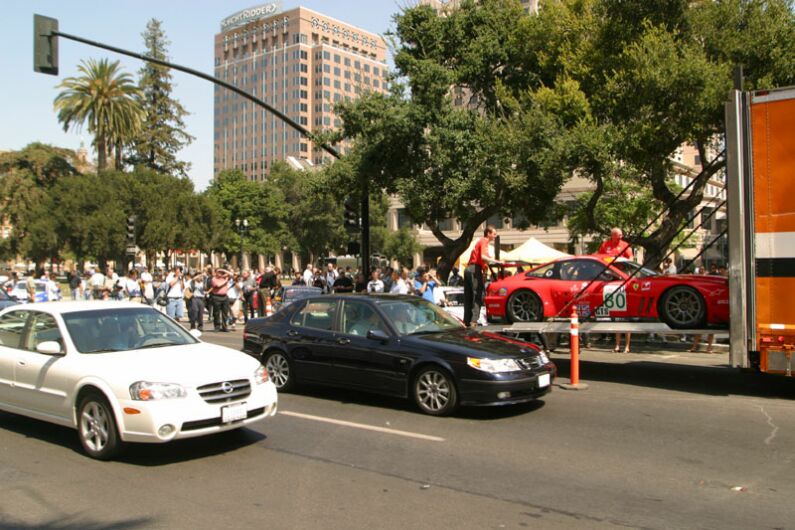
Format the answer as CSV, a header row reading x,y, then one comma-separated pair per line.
x,y
454,304
681,301
288,294
6,300
123,372
20,291
397,345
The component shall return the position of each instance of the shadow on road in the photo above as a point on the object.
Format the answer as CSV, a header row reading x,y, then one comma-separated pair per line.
x,y
710,380
136,454
76,524
355,397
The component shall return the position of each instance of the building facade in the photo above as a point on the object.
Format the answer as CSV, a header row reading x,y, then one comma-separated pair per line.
x,y
300,62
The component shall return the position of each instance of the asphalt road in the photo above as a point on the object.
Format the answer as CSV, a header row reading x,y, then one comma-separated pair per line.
x,y
659,440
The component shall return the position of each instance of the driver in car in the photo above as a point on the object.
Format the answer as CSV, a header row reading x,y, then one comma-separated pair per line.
x,y
365,323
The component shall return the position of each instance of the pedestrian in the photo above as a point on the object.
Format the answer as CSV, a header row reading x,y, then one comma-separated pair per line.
x,y
399,285
30,288
375,285
147,289
219,286
330,277
474,281
455,278
52,288
628,338
132,287
424,285
386,277
267,285
299,279
616,246
196,308
405,276
174,290
343,283
360,284
697,342
668,267
74,285
249,286
96,283
84,286
309,274
209,274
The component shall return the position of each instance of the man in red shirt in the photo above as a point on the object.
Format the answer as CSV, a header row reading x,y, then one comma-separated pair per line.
x,y
616,246
474,283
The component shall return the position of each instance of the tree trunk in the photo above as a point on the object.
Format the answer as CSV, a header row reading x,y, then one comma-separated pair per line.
x,y
102,152
118,155
453,248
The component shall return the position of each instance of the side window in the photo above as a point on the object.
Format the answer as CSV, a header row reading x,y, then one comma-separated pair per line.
x,y
569,271
316,314
547,271
43,328
11,327
358,318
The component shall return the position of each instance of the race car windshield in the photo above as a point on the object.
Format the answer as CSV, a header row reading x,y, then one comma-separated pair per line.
x,y
629,268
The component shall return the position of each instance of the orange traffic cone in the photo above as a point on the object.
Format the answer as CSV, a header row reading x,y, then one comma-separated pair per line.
x,y
268,307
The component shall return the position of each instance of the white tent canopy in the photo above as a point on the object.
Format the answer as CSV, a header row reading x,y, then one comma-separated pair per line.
x,y
533,251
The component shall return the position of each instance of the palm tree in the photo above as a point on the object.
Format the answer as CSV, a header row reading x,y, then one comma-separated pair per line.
x,y
107,99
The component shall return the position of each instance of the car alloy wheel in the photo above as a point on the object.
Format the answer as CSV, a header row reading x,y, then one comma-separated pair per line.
x,y
435,392
682,307
279,370
97,428
525,306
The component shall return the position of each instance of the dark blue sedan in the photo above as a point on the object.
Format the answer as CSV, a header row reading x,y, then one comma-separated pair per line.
x,y
396,345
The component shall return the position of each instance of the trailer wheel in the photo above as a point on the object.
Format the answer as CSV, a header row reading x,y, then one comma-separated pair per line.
x,y
682,307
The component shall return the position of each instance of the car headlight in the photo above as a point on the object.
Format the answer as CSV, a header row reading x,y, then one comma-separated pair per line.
x,y
493,366
543,357
261,375
502,291
146,391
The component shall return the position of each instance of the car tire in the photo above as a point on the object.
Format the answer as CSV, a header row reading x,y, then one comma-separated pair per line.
x,y
96,427
434,391
280,370
683,307
524,306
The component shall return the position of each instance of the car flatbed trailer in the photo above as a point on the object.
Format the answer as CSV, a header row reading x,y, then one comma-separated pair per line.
x,y
563,327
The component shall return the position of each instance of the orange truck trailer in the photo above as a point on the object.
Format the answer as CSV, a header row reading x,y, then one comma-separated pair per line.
x,y
760,148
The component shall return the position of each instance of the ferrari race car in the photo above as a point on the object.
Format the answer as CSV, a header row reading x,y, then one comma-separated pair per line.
x,y
598,284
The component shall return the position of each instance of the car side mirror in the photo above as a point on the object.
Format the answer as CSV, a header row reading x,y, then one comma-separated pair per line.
x,y
377,334
195,333
49,347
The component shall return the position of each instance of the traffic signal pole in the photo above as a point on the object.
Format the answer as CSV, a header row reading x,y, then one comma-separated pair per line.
x,y
45,39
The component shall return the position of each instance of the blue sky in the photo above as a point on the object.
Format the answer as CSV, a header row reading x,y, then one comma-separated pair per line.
x,y
26,97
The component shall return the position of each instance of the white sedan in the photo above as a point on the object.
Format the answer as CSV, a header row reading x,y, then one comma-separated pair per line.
x,y
124,372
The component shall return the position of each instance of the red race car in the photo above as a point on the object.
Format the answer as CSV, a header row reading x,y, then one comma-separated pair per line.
x,y
681,301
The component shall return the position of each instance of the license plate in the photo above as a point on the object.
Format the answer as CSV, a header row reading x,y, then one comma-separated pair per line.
x,y
543,380
235,412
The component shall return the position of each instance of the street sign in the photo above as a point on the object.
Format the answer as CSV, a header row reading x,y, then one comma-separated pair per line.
x,y
132,250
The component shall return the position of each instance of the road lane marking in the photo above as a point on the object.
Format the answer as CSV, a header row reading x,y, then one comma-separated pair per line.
x,y
362,426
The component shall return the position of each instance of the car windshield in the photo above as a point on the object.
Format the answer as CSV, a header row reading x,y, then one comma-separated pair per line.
x,y
122,329
629,268
413,317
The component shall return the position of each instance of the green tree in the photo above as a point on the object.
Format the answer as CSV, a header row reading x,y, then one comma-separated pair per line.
x,y
494,150
107,100
401,245
26,178
162,133
654,74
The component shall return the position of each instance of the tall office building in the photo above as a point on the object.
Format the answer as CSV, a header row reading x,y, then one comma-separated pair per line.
x,y
298,61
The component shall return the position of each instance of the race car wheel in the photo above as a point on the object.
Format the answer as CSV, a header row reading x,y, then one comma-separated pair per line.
x,y
525,306
683,307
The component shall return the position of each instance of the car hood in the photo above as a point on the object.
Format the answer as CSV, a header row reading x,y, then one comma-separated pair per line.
x,y
467,342
189,365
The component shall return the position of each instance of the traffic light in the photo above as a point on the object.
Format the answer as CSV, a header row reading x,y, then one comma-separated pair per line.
x,y
45,45
351,215
131,229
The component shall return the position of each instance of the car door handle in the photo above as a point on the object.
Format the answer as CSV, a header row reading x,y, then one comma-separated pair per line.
x,y
343,341
22,363
292,333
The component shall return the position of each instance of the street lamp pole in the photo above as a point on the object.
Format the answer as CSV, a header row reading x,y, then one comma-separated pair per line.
x,y
242,227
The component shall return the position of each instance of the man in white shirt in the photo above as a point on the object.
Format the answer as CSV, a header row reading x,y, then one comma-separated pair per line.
x,y
148,291
95,283
375,285
330,277
174,294
309,276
